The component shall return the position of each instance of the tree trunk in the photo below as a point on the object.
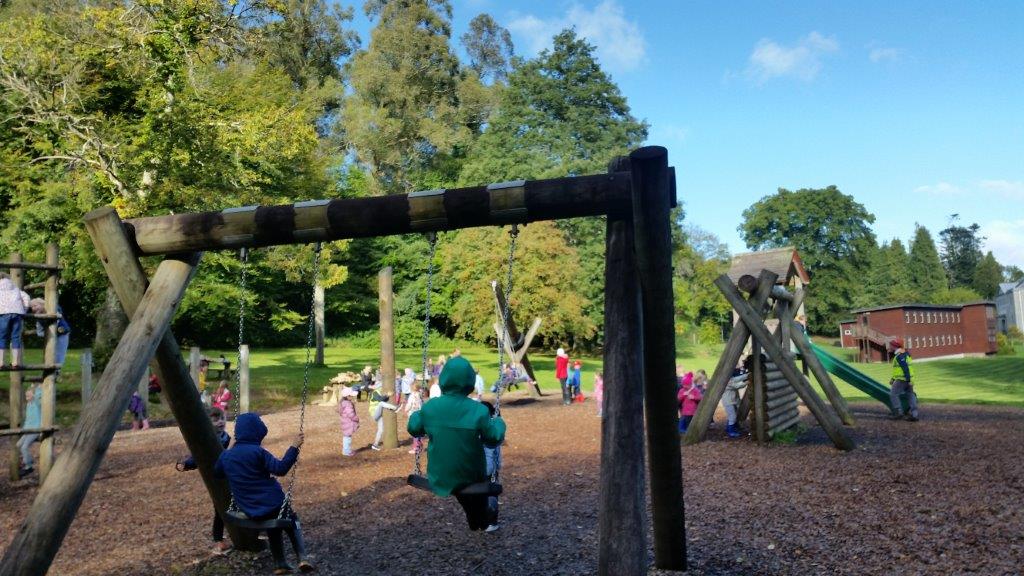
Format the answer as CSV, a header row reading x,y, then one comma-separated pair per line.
x,y
110,325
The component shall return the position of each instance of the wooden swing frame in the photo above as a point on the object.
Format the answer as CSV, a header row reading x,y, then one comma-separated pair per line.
x,y
637,195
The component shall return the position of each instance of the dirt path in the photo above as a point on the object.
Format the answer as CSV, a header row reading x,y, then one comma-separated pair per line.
x,y
941,496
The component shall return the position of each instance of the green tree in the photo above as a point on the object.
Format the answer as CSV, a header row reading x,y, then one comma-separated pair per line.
x,y
489,47
559,115
1012,273
927,276
403,112
987,276
833,235
961,252
888,279
151,107
698,259
309,41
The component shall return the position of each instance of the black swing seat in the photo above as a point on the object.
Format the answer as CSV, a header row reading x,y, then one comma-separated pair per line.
x,y
242,520
486,488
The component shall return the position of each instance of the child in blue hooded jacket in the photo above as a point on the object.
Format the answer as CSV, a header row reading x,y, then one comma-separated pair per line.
x,y
249,469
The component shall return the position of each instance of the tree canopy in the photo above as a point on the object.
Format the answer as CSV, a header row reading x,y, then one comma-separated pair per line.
x,y
833,234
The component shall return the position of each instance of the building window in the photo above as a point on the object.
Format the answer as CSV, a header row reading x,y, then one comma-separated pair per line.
x,y
961,337
847,332
915,318
906,317
931,342
917,342
957,317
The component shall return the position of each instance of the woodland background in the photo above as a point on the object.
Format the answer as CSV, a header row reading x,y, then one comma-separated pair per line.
x,y
161,106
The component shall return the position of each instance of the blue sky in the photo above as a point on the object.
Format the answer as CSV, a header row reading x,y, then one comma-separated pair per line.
x,y
914,108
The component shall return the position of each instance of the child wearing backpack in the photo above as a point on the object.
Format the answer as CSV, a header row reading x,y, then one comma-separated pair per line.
x,y
249,469
220,545
458,428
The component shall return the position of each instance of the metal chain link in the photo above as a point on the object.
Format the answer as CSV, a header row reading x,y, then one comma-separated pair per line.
x,y
286,505
417,468
514,233
244,257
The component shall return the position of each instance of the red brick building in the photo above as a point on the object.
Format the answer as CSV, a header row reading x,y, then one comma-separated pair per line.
x,y
928,331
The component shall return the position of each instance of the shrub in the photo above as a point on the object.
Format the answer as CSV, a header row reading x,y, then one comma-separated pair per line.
x,y
1004,345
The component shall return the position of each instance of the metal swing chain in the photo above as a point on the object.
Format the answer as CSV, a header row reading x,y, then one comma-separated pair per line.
x,y
305,379
514,233
244,256
426,332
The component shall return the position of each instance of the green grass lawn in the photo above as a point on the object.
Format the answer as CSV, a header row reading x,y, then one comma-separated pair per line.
x,y
277,374
989,380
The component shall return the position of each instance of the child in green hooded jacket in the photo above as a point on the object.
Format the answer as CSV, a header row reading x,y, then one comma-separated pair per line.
x,y
458,427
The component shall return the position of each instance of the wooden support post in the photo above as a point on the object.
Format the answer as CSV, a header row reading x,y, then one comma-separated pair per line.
x,y
49,388
513,335
834,397
622,523
757,391
385,300
195,358
36,543
243,378
810,398
16,398
726,362
85,362
318,323
180,392
652,226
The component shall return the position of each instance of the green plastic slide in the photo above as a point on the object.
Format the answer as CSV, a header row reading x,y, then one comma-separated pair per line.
x,y
853,377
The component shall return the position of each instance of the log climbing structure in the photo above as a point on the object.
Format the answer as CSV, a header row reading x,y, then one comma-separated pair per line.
x,y
776,386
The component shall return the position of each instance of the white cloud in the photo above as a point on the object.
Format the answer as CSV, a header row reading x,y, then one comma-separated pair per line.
x,y
1005,238
803,60
940,189
1012,189
883,54
620,43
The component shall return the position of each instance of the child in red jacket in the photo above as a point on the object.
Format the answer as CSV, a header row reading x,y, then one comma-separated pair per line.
x,y
689,396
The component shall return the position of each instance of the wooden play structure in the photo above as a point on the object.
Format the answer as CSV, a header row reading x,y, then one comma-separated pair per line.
x,y
636,195
773,386
46,373
514,343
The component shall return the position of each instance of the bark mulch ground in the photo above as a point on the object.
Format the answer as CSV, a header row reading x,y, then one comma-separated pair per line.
x,y
941,496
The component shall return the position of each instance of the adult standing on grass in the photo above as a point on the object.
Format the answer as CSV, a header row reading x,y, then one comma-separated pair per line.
x,y
902,382
562,374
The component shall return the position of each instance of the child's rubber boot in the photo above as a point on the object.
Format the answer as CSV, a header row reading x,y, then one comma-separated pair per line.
x,y
135,425
283,569
305,566
145,423
733,431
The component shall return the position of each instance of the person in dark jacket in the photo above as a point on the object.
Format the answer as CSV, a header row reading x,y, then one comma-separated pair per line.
x,y
902,382
249,469
220,546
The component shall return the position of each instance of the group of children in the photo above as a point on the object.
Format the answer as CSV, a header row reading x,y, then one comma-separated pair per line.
x,y
693,386
465,437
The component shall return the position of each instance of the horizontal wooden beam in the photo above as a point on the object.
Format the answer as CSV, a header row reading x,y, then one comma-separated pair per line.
x,y
516,202
29,266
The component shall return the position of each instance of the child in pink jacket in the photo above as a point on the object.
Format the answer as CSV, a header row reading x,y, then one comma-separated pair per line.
x,y
599,393
349,419
689,396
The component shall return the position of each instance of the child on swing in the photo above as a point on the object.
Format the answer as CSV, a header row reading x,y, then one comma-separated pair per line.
x,y
220,545
458,428
249,469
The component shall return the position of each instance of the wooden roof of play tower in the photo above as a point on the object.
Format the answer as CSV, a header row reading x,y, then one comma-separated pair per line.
x,y
783,262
